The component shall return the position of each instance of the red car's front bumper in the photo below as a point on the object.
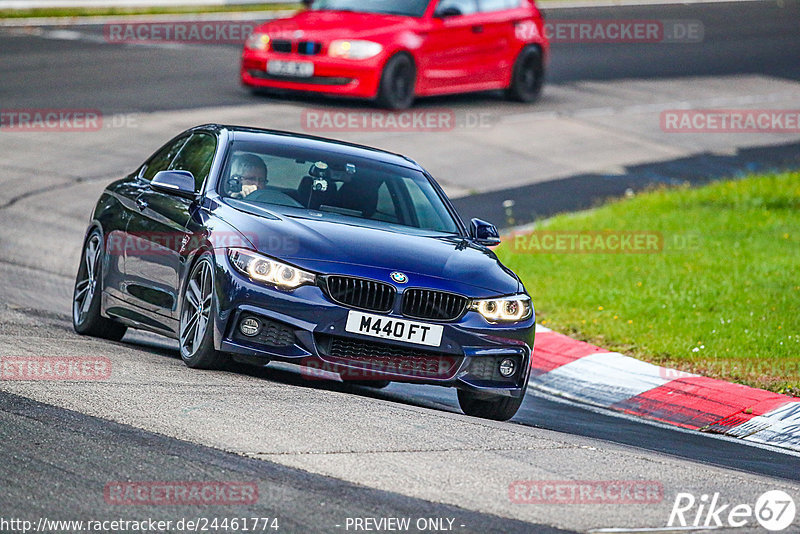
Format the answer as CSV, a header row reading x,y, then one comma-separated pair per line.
x,y
355,78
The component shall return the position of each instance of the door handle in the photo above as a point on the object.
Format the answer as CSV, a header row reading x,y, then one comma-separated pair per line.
x,y
477,29
142,203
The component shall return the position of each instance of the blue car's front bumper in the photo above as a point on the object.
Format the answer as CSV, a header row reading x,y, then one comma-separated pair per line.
x,y
305,327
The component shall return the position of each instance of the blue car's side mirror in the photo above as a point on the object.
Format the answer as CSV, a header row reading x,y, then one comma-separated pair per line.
x,y
178,183
484,233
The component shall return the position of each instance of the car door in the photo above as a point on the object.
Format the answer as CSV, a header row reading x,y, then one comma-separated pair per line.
x,y
118,205
163,231
120,242
451,48
498,51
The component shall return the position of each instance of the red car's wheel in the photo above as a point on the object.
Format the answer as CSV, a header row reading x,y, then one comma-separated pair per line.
x,y
527,77
399,77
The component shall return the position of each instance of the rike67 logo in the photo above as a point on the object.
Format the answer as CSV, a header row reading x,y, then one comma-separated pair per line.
x,y
774,510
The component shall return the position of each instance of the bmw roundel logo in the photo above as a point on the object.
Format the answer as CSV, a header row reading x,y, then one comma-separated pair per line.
x,y
398,277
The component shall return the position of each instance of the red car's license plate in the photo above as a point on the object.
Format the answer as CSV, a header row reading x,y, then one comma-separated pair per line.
x,y
297,69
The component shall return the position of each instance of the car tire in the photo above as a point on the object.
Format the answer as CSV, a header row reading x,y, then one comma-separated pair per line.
x,y
196,330
396,90
495,408
86,317
527,77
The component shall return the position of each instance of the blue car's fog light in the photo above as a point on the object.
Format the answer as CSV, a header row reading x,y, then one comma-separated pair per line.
x,y
250,327
507,367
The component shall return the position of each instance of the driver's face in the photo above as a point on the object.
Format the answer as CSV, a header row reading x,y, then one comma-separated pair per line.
x,y
253,177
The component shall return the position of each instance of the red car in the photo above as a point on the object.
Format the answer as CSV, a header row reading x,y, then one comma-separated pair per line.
x,y
395,50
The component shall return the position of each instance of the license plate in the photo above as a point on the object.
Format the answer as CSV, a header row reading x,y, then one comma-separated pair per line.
x,y
396,329
297,69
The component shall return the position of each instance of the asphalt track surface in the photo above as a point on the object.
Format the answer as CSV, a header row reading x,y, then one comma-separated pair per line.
x,y
321,452
738,38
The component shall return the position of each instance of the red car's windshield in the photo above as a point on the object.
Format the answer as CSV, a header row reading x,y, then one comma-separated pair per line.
x,y
410,8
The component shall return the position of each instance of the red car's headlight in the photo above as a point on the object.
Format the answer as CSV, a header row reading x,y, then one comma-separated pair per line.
x,y
257,41
354,49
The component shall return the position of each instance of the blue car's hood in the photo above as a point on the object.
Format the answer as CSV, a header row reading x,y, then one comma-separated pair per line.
x,y
327,247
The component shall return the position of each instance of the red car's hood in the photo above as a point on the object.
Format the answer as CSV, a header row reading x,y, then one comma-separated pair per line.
x,y
329,25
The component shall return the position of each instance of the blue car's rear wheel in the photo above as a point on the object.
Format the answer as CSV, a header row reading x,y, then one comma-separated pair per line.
x,y
197,318
86,317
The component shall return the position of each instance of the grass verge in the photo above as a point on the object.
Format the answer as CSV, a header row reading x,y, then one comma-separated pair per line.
x,y
121,11
720,298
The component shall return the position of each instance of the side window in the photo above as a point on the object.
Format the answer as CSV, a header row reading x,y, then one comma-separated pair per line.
x,y
464,7
196,157
386,210
161,160
498,5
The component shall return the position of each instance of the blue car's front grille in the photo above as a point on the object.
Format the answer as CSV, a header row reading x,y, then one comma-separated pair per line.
x,y
430,304
360,293
384,358
379,296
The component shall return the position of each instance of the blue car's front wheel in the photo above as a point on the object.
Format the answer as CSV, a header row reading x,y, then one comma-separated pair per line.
x,y
496,408
197,318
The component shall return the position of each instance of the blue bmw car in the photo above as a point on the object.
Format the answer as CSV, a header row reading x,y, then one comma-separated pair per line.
x,y
259,246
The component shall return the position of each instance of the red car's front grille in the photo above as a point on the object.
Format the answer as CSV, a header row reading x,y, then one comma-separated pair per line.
x,y
283,46
306,48
309,48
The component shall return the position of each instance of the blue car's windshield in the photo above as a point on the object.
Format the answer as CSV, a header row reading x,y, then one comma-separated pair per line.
x,y
334,186
410,8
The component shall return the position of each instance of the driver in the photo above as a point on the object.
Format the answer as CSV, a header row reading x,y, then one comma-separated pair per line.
x,y
251,172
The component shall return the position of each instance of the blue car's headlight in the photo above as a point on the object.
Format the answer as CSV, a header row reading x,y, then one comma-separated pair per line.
x,y
505,309
264,269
